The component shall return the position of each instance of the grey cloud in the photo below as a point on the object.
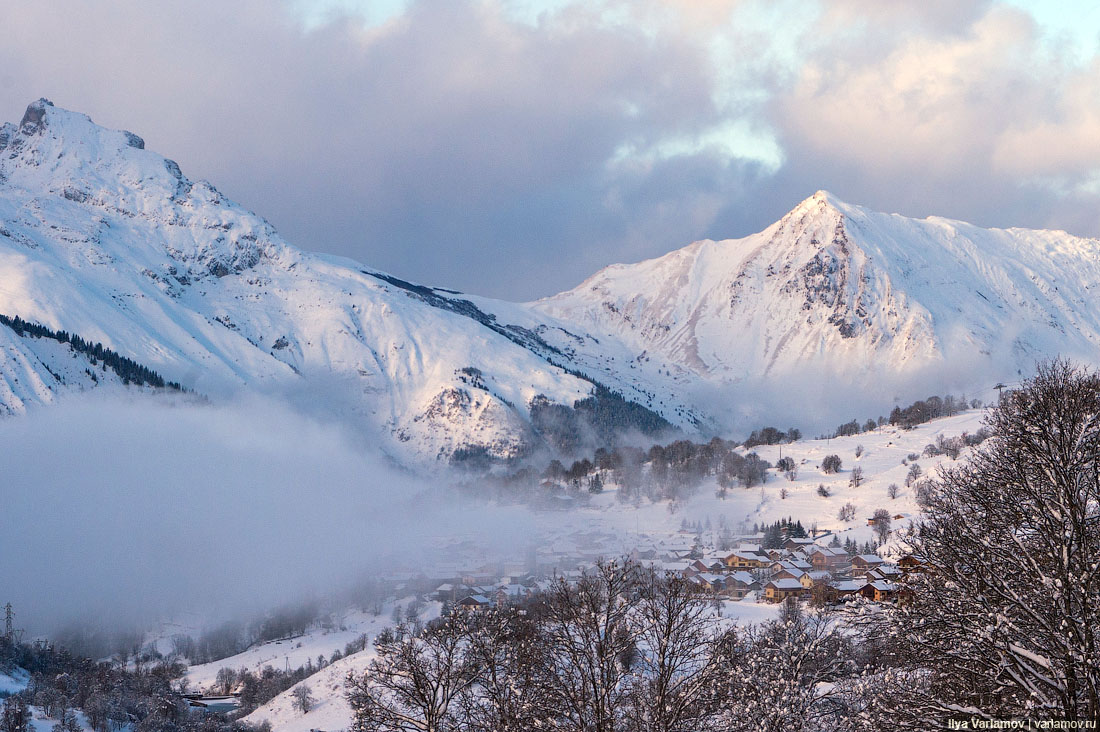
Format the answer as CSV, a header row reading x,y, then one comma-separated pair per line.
x,y
921,127
430,146
457,146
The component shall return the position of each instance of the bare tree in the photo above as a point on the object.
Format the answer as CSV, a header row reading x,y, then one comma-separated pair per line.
x,y
847,512
412,683
856,480
880,520
15,716
591,645
892,490
508,660
675,666
226,679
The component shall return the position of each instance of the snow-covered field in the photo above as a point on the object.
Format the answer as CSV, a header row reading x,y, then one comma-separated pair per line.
x,y
293,652
884,460
41,723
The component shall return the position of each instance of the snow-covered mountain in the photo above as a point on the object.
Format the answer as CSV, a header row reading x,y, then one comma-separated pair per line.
x,y
106,240
102,238
836,293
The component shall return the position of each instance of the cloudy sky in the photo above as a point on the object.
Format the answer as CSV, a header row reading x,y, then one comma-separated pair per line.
x,y
513,147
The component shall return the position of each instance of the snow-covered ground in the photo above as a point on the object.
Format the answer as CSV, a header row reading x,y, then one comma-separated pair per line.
x,y
293,652
41,723
330,710
13,682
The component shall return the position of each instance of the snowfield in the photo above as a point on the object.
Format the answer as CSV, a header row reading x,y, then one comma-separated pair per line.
x,y
294,652
330,709
14,682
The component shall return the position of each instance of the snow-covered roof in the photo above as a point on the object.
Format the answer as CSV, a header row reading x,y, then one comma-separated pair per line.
x,y
741,577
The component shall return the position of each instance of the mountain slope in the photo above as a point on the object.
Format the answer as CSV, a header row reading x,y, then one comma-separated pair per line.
x,y
101,237
833,291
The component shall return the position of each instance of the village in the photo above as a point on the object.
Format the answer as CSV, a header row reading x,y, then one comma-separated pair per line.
x,y
816,570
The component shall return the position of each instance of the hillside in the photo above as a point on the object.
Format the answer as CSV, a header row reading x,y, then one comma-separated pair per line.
x,y
607,527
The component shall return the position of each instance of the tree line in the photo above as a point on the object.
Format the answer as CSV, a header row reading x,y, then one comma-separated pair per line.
x,y
623,649
130,371
143,695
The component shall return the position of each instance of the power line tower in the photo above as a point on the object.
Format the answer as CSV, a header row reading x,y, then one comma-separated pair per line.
x,y
10,633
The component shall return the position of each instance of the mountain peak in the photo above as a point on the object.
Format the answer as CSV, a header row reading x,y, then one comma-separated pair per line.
x,y
821,200
65,152
45,124
34,119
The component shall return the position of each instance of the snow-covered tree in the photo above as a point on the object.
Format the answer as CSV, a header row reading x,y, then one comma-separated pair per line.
x,y
303,698
508,694
591,643
675,666
782,676
1005,621
15,716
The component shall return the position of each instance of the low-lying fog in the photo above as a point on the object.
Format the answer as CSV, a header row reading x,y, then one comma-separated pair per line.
x,y
124,510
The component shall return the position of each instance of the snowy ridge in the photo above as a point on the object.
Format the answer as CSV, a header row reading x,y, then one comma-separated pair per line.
x,y
36,370
836,290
